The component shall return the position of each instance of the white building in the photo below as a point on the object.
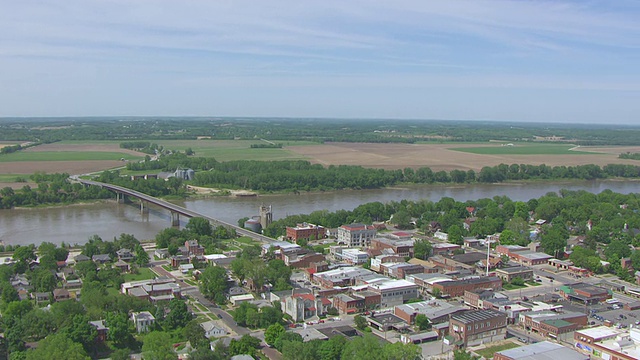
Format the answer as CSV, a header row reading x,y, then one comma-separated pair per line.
x,y
353,256
143,321
394,292
356,235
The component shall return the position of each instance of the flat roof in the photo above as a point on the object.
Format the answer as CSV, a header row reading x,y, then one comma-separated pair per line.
x,y
477,315
534,255
514,269
392,284
600,332
431,309
544,350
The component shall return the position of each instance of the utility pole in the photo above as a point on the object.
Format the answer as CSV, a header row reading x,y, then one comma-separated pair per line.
x,y
488,247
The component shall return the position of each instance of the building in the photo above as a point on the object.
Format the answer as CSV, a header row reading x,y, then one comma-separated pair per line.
x,y
400,270
444,248
278,246
101,330
143,321
61,294
394,292
476,327
585,293
376,262
476,298
356,302
300,258
124,254
437,311
305,231
101,258
304,306
266,216
340,277
425,282
456,288
544,350
351,256
510,273
604,342
356,235
193,248
402,247
238,299
211,330
558,326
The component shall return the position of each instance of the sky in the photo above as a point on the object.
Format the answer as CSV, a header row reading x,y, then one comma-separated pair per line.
x,y
506,60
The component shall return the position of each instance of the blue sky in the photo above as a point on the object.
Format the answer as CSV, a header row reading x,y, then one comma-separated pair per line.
x,y
549,61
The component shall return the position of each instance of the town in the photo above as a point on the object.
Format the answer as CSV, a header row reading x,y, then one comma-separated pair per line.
x,y
437,297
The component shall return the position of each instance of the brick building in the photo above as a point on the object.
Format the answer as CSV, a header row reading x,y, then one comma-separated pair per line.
x,y
558,326
458,287
510,273
402,248
305,231
608,343
585,293
475,327
437,311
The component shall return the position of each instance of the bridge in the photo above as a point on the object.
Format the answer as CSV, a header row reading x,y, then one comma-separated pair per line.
x,y
175,210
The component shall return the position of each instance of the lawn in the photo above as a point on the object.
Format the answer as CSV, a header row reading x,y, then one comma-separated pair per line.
x,y
489,351
524,149
532,283
10,178
229,150
510,286
143,274
64,156
247,240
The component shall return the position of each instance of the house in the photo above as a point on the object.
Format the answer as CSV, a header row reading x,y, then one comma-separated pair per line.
x,y
356,235
61,294
81,258
143,321
101,258
124,254
101,330
211,330
161,253
544,350
237,299
193,248
122,265
476,327
441,235
178,260
304,306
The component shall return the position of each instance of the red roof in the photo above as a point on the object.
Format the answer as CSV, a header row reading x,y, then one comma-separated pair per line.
x,y
326,301
401,233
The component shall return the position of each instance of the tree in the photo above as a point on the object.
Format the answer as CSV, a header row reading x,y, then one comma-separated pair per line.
x,y
436,293
24,254
616,250
157,345
246,345
57,346
199,226
463,355
81,331
400,351
287,336
332,348
360,322
272,333
554,240
402,219
118,329
422,322
365,347
195,334
142,257
454,233
178,316
213,283
518,281
422,249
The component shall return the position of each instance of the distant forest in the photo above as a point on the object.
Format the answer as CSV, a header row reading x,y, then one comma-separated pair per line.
x,y
321,130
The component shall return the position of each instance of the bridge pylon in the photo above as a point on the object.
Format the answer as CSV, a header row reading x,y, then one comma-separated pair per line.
x,y
144,207
175,219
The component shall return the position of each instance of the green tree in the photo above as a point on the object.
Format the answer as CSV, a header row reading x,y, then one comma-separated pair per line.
x,y
422,249
213,283
272,333
195,334
422,322
246,345
199,226
436,293
118,329
57,346
24,254
554,240
463,355
365,347
360,322
454,233
80,331
287,336
400,351
141,257
157,345
178,316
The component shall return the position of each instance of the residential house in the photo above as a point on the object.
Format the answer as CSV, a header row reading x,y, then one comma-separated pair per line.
x,y
61,294
161,253
211,330
80,258
143,321
356,235
41,297
101,330
125,254
101,258
193,248
122,265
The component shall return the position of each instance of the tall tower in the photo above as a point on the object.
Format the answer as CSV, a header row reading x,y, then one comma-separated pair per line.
x,y
266,216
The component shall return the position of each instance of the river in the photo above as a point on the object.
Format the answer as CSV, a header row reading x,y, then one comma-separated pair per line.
x,y
74,224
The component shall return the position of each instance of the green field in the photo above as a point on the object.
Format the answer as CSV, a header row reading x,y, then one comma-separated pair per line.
x,y
10,178
230,150
65,156
525,149
143,274
489,351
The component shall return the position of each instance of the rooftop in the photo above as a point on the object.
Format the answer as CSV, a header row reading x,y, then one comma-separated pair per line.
x,y
431,309
544,350
514,269
476,315
391,284
533,255
600,332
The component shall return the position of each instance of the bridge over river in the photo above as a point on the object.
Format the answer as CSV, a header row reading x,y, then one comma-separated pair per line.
x,y
175,210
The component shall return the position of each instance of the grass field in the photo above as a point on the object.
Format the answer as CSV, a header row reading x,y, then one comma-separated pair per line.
x,y
489,351
21,156
143,274
10,178
229,150
524,149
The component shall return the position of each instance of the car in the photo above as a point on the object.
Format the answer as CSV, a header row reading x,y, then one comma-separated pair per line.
x,y
219,316
321,321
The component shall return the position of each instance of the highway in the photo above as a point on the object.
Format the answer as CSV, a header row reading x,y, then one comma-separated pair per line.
x,y
176,209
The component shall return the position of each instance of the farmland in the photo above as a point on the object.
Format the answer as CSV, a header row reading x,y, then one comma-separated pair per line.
x,y
525,149
229,150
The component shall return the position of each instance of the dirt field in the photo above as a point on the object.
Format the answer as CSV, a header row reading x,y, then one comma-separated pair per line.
x,y
439,157
82,147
